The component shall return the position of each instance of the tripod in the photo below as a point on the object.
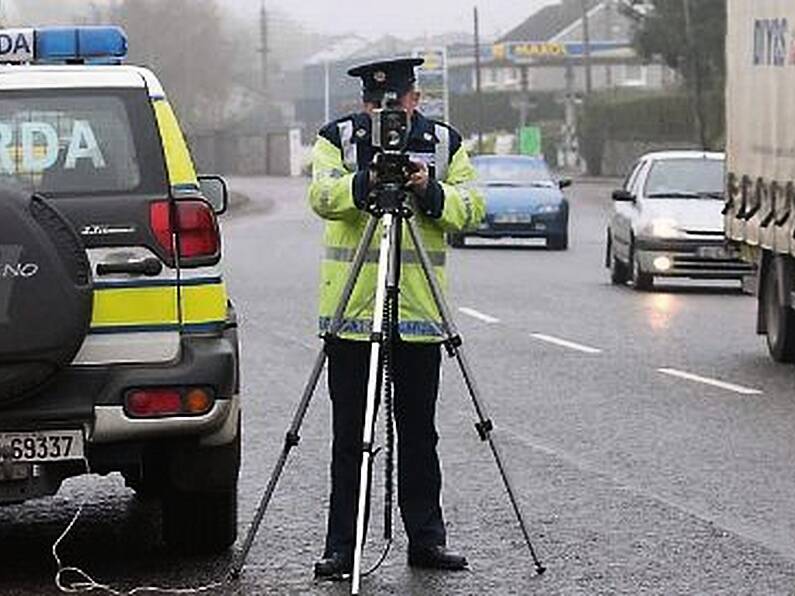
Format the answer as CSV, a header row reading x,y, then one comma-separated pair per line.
x,y
393,210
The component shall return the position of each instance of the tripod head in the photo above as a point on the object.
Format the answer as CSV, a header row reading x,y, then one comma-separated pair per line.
x,y
391,166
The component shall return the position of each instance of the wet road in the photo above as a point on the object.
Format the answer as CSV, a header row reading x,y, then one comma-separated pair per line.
x,y
649,435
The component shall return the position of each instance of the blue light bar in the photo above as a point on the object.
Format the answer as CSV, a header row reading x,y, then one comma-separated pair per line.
x,y
93,45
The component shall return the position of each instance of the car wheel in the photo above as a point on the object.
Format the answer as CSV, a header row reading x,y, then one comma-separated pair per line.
x,y
558,242
198,522
641,280
619,272
780,320
456,240
202,519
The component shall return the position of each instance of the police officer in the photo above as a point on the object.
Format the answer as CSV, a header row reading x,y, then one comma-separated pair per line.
x,y
342,181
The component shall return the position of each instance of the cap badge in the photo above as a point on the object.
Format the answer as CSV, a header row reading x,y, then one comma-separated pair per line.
x,y
379,76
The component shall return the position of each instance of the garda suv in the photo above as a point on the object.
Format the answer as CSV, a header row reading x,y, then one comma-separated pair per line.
x,y
667,221
118,343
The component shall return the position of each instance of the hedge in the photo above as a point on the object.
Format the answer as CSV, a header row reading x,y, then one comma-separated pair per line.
x,y
633,116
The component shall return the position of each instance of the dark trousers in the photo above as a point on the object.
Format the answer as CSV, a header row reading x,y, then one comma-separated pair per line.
x,y
416,380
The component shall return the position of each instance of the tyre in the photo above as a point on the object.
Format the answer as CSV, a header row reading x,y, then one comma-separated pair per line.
x,y
619,272
641,280
456,240
200,500
46,294
558,242
780,320
200,522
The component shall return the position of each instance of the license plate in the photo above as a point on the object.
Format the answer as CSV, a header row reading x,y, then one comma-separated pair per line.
x,y
42,446
714,252
513,218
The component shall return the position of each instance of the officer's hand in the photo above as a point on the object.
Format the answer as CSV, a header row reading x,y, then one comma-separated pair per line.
x,y
418,181
363,183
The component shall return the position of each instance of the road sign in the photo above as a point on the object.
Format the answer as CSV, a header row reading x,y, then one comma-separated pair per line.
x,y
530,140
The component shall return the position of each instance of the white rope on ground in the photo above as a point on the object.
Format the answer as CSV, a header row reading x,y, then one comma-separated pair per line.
x,y
86,583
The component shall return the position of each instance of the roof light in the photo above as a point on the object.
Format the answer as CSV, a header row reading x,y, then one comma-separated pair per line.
x,y
91,45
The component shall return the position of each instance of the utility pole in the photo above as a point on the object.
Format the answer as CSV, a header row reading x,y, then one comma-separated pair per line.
x,y
478,91
264,51
586,40
694,68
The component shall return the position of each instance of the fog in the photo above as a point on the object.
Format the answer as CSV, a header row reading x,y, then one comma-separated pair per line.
x,y
407,18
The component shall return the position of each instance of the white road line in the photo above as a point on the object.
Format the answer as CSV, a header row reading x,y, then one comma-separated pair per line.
x,y
707,381
478,315
565,343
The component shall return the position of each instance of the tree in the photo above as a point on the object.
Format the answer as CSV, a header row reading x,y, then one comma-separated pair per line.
x,y
186,43
690,37
662,31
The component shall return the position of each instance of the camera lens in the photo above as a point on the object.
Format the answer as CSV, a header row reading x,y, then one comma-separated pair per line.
x,y
393,138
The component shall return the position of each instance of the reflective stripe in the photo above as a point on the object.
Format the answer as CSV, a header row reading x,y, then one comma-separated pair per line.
x,y
181,172
156,307
363,327
467,199
348,146
345,255
442,152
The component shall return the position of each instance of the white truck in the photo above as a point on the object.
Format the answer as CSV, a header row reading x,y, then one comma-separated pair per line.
x,y
760,184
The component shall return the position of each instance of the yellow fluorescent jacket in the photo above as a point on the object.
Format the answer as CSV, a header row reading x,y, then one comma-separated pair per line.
x,y
342,148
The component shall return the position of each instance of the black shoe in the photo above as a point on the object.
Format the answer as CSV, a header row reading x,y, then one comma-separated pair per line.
x,y
436,557
333,568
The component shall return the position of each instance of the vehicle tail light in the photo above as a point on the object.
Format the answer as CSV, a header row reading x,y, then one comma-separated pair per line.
x,y
160,402
195,226
153,403
198,401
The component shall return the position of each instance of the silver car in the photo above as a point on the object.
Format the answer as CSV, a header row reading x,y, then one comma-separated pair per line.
x,y
667,221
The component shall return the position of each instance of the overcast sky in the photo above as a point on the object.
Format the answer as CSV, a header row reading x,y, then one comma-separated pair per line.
x,y
402,18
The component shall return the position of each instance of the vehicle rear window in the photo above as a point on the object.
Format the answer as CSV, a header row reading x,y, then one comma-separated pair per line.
x,y
62,142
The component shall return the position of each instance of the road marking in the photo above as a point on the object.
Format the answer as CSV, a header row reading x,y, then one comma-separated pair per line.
x,y
565,343
478,315
707,381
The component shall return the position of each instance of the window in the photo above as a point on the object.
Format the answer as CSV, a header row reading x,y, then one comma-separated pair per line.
x,y
634,75
80,142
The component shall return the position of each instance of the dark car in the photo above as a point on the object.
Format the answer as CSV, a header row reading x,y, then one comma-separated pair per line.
x,y
523,200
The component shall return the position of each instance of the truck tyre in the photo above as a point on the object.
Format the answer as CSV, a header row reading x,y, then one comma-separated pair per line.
x,y
780,320
46,294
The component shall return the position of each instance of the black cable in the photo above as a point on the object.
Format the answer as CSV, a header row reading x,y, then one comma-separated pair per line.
x,y
390,317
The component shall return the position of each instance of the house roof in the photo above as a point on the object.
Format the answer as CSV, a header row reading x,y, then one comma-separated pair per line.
x,y
548,22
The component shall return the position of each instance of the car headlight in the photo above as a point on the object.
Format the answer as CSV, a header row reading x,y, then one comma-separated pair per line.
x,y
662,228
550,208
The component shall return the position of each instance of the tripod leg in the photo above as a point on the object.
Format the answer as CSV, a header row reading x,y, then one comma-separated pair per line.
x,y
292,437
386,279
453,344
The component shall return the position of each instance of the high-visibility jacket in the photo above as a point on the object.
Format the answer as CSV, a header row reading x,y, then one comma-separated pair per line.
x,y
344,149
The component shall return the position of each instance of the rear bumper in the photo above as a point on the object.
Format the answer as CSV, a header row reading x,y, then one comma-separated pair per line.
x,y
539,226
691,259
91,398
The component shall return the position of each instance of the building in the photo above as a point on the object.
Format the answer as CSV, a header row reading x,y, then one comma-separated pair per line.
x,y
547,53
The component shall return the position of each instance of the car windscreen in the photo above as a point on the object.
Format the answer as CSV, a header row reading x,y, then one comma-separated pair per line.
x,y
68,142
685,178
512,171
